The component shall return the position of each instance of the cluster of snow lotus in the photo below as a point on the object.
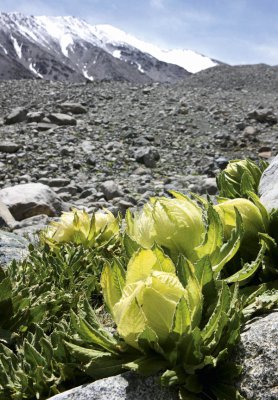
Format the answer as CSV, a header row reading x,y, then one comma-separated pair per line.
x,y
188,275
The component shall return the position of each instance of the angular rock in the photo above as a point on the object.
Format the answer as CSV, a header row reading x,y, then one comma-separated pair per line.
x,y
27,200
19,114
9,147
12,247
209,186
59,182
74,108
147,156
45,126
122,387
258,355
267,189
263,115
62,119
111,190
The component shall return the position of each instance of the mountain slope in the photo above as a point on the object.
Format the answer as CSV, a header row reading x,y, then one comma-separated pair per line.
x,y
69,49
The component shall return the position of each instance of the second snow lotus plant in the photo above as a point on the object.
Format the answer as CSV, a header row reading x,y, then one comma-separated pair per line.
x,y
79,227
173,319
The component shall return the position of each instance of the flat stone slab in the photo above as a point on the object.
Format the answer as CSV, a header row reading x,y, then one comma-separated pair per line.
x,y
127,386
12,247
268,187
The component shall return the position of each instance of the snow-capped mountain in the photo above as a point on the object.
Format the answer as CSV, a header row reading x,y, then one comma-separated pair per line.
x,y
70,49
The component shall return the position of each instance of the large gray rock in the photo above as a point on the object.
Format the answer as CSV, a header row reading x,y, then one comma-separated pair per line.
x,y
148,156
74,108
258,355
268,187
127,386
110,189
27,200
12,247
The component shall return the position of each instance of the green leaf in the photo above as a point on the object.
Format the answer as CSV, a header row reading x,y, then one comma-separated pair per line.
x,y
93,335
148,340
219,312
147,365
214,234
84,354
112,283
249,269
221,256
182,318
130,245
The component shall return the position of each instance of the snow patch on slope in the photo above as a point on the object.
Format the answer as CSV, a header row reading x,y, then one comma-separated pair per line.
x,y
17,47
32,68
5,50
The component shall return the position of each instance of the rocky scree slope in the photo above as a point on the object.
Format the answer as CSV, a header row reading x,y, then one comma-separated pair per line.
x,y
115,144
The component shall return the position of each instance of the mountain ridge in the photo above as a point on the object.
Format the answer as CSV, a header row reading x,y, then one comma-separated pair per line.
x,y
70,49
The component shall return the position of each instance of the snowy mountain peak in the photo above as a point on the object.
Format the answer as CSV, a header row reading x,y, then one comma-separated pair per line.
x,y
72,47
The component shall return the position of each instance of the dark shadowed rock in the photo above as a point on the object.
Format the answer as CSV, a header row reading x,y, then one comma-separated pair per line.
x,y
19,114
31,199
263,115
127,386
148,156
268,187
258,355
74,108
9,147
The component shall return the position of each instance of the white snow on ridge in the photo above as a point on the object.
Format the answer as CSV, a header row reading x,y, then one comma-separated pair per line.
x,y
187,59
17,47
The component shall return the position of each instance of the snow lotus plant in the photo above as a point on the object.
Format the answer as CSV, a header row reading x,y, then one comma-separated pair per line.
x,y
176,224
176,320
79,227
239,178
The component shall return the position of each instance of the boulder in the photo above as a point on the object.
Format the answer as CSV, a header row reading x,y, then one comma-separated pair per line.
x,y
122,387
258,355
147,156
268,187
263,115
19,114
74,108
29,199
12,247
111,190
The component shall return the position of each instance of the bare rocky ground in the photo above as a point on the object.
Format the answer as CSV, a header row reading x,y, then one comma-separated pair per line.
x,y
123,142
